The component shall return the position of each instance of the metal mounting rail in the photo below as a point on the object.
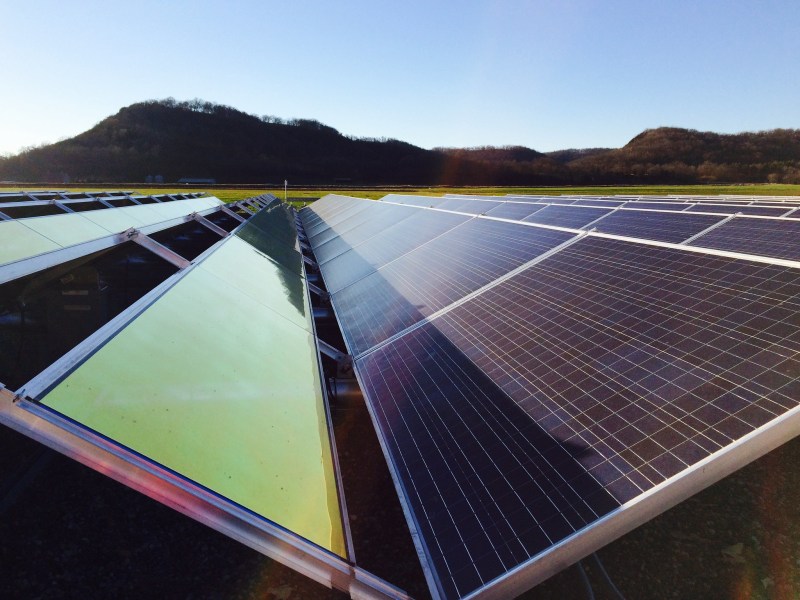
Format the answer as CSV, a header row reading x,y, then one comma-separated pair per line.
x,y
212,226
689,240
231,213
136,472
160,250
323,294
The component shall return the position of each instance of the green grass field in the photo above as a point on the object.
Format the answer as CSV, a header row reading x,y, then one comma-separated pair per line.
x,y
240,192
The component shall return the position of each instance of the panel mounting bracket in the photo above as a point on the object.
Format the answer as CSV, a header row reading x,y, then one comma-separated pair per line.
x,y
146,241
344,362
206,223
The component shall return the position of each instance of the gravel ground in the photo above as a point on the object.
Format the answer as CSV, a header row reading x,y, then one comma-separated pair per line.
x,y
73,533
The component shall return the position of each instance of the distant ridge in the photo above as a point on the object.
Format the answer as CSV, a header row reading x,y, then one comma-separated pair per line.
x,y
170,140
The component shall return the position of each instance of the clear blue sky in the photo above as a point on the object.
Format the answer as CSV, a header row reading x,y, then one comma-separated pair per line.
x,y
544,74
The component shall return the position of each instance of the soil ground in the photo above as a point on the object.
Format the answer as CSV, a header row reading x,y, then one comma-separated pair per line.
x,y
73,533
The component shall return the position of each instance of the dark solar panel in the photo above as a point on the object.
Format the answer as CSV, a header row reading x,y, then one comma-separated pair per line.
x,y
765,211
522,415
533,199
650,225
356,215
516,211
765,237
563,216
435,275
329,212
674,206
478,207
389,245
413,200
457,204
596,202
367,224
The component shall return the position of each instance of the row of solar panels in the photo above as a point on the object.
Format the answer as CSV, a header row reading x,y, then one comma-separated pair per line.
x,y
618,200
539,391
171,346
40,204
516,206
735,231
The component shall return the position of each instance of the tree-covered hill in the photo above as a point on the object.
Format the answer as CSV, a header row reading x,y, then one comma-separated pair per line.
x,y
172,140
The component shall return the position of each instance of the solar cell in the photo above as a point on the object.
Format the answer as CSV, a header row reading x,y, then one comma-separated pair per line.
x,y
389,245
426,201
357,215
371,222
330,211
673,206
521,416
18,241
593,202
652,225
435,275
765,211
478,207
67,229
765,237
516,211
563,216
159,388
456,204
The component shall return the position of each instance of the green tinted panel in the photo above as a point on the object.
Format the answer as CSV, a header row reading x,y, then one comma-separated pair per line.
x,y
278,251
145,213
179,208
114,220
239,264
278,222
17,242
66,230
214,385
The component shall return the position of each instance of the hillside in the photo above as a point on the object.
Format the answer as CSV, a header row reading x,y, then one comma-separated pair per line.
x,y
198,139
202,140
673,155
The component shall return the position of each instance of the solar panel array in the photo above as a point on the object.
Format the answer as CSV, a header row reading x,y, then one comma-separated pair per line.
x,y
170,344
539,391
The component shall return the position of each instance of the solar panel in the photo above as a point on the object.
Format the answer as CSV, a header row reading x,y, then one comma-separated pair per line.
x,y
547,199
426,201
593,202
152,396
766,237
389,245
434,275
673,206
183,408
563,216
354,216
766,211
456,204
370,223
478,207
653,225
516,211
329,211
523,415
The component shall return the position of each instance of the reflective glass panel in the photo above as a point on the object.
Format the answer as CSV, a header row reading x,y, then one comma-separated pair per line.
x,y
211,383
67,229
17,241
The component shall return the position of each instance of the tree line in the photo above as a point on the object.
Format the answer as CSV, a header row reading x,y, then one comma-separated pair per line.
x,y
200,139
